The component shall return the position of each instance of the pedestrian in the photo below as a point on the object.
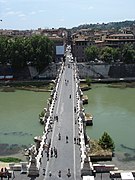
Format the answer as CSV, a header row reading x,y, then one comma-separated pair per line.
x,y
59,173
51,152
59,136
55,153
68,173
74,140
47,153
50,174
44,171
57,118
13,174
75,109
66,139
49,143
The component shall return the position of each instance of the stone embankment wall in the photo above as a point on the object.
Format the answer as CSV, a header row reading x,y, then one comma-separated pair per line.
x,y
106,70
91,70
122,70
48,73
94,71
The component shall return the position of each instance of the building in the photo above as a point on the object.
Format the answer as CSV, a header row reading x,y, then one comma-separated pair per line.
x,y
16,33
80,41
78,48
59,47
117,40
59,38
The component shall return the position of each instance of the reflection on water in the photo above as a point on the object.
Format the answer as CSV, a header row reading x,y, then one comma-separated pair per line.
x,y
15,134
11,149
114,111
19,122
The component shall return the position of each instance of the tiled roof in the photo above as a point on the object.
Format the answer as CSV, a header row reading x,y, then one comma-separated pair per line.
x,y
122,34
111,39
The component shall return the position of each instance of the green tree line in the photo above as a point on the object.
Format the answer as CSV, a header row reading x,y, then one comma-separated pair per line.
x,y
125,54
19,51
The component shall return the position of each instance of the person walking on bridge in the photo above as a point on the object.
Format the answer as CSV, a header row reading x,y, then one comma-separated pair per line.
x,y
66,139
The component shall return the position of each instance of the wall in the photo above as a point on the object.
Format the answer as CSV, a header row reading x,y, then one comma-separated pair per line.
x,y
106,70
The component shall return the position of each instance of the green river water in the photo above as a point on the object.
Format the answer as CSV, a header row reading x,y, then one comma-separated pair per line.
x,y
19,112
113,110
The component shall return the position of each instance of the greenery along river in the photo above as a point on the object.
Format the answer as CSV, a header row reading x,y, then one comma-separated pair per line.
x,y
113,110
19,123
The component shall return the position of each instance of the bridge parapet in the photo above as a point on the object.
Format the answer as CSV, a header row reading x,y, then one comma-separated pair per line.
x,y
80,121
86,165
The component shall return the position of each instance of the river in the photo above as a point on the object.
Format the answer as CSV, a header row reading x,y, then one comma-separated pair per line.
x,y
113,111
19,121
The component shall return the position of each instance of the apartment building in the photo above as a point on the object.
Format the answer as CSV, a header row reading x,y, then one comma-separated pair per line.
x,y
116,40
80,41
78,47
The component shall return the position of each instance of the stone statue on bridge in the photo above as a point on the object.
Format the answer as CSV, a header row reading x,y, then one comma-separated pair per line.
x,y
32,167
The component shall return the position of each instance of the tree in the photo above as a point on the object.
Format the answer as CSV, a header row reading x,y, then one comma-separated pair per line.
x,y
20,50
16,52
88,81
91,53
3,50
106,142
42,49
128,54
115,54
106,54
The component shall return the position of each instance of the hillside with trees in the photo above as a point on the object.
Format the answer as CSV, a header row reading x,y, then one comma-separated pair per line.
x,y
105,26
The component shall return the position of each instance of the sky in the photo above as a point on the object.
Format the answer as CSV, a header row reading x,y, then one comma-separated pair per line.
x,y
34,14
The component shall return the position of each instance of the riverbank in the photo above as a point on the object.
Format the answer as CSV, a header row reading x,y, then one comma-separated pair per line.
x,y
114,80
20,156
121,162
36,88
122,85
118,160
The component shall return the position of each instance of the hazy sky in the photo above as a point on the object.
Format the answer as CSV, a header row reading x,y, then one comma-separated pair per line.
x,y
33,14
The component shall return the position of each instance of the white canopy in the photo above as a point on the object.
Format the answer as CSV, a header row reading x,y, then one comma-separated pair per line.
x,y
88,177
127,176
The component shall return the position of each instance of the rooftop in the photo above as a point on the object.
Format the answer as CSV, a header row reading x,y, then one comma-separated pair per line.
x,y
122,34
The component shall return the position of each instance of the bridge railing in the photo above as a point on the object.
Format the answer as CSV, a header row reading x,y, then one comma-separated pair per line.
x,y
80,120
81,117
